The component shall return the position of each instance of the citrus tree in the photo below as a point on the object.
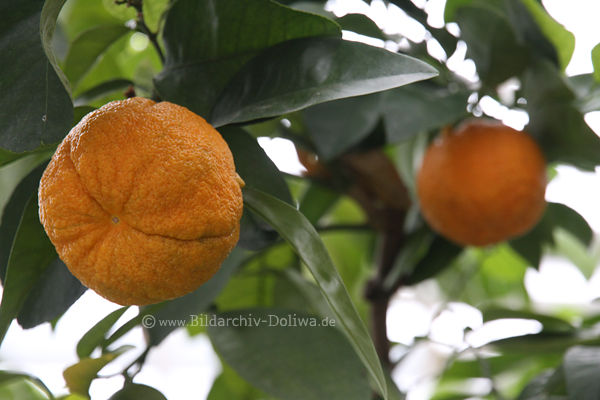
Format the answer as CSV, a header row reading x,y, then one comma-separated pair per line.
x,y
320,255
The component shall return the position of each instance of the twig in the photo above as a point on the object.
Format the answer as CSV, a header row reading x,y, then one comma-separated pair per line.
x,y
141,25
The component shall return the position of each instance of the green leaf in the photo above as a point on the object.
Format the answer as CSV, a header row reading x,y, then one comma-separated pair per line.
x,y
587,91
299,232
154,11
229,385
550,323
549,385
531,245
102,90
183,308
134,391
573,249
30,255
336,126
291,362
306,72
316,201
581,369
596,61
258,171
55,291
419,108
555,121
202,56
97,333
7,376
441,254
562,39
361,24
491,43
87,47
79,376
34,97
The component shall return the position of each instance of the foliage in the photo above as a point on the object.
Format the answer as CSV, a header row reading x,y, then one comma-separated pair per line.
x,y
334,244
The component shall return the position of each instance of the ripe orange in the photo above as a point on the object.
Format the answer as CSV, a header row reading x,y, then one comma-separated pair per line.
x,y
142,201
482,183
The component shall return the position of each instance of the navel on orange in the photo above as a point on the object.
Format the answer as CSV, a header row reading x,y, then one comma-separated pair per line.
x,y
142,201
482,183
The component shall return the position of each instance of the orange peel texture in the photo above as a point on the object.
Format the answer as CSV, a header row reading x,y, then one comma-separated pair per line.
x,y
142,201
482,183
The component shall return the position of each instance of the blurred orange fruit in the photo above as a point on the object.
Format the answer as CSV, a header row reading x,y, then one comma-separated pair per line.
x,y
482,183
142,201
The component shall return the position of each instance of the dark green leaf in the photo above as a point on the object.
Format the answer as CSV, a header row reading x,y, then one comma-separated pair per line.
x,y
258,171
291,362
35,104
549,385
55,291
336,126
550,323
441,254
229,385
134,391
7,376
582,369
305,72
79,376
183,308
531,245
587,92
360,23
202,56
300,233
30,255
316,201
87,47
419,108
555,121
96,335
102,90
491,43
527,30
562,39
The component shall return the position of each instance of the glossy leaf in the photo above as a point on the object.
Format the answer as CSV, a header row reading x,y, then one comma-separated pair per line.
x,y
202,56
87,47
491,43
562,39
30,255
549,385
39,106
316,201
300,233
7,376
361,24
96,335
229,385
581,369
555,120
291,362
306,72
336,126
134,391
441,254
79,376
183,308
530,245
258,171
419,108
55,291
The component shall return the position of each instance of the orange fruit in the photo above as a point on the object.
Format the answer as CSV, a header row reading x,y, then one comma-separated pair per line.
x,y
482,183
142,201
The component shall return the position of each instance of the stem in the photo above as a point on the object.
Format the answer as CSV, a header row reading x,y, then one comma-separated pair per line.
x,y
141,25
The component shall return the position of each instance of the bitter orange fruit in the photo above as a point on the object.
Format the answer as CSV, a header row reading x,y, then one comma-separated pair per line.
x,y
142,201
482,183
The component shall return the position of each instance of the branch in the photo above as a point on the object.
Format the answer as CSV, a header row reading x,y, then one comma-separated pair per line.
x,y
141,25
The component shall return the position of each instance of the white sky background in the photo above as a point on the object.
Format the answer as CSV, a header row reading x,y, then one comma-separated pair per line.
x,y
183,365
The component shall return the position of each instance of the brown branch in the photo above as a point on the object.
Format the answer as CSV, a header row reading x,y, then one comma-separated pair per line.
x,y
142,27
